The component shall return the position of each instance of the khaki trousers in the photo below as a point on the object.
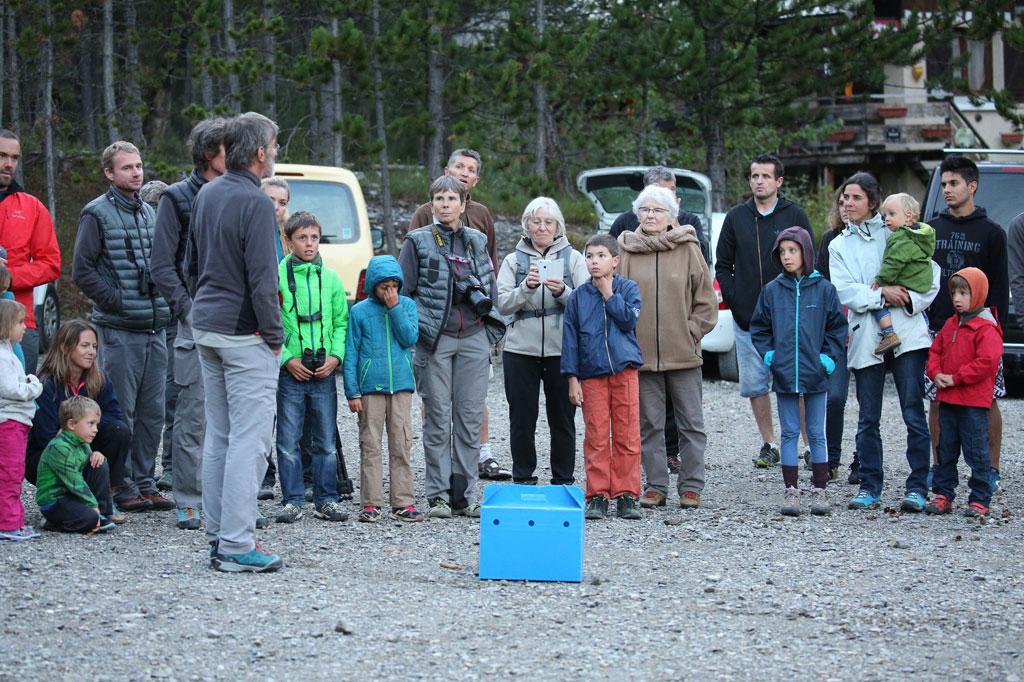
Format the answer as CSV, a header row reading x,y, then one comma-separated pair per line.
x,y
393,412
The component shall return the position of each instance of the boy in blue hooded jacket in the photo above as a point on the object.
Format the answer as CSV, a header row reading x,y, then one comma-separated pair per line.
x,y
799,329
379,385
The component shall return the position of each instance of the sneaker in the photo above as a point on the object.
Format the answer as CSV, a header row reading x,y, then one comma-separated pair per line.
x,y
369,514
256,561
913,502
625,508
492,471
940,504
854,477
673,463
472,510
308,494
290,513
652,498
117,516
767,457
976,510
864,500
689,500
134,505
188,518
19,535
806,456
262,521
995,482
819,502
160,503
408,514
597,508
165,482
106,525
266,492
887,343
791,502
330,511
439,508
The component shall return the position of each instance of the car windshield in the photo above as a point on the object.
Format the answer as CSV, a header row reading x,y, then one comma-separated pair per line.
x,y
617,192
333,205
999,193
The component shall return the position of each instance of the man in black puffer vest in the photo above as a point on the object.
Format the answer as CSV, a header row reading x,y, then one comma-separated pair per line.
x,y
173,218
112,266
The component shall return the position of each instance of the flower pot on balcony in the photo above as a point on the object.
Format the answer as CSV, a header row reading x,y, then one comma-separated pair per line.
x,y
936,133
844,135
1012,138
892,112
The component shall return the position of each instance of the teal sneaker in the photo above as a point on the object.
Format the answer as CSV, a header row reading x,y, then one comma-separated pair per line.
x,y
189,518
256,561
913,502
768,456
865,500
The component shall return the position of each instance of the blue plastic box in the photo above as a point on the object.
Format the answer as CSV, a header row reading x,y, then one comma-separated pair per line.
x,y
532,532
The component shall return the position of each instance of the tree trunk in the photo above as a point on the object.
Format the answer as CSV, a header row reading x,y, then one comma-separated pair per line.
x,y
388,226
270,57
12,60
231,52
540,105
133,92
435,107
85,76
338,112
109,103
641,135
711,127
51,194
315,139
564,182
207,80
3,62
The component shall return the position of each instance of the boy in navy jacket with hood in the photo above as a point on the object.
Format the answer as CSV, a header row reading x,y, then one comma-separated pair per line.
x,y
600,356
800,330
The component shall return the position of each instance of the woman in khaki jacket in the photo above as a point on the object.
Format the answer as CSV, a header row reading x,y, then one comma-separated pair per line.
x,y
679,309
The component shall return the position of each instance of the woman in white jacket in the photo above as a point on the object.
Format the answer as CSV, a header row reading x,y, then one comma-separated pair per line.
x,y
534,282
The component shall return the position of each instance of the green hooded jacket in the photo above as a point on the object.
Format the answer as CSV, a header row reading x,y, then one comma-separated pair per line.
x,y
60,471
317,310
907,260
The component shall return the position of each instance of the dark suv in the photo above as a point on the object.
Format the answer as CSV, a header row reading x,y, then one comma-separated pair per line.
x,y
1001,194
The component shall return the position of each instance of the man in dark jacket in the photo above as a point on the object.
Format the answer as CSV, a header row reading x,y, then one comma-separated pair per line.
x,y
743,265
112,266
231,270
184,434
965,237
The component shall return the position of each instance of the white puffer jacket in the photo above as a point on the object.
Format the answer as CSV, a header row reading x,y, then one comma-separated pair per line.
x,y
17,392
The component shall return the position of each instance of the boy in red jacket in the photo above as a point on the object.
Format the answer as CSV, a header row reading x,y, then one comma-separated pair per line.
x,y
962,363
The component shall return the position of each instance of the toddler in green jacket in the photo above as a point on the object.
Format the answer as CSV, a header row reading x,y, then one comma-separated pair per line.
x,y
906,262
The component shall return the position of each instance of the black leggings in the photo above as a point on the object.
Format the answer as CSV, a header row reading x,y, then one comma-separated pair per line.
x,y
71,515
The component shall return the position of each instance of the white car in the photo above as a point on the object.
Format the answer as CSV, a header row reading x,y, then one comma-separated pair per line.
x,y
721,340
47,312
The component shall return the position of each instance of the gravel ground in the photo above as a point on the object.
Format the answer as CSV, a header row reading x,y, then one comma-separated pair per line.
x,y
732,590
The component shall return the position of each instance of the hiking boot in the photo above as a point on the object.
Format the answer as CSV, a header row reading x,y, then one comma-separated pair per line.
x,y
266,492
887,343
160,503
940,504
369,514
652,498
819,502
24,533
290,513
188,518
597,508
135,505
689,500
256,561
262,521
833,472
408,514
864,500
472,510
854,477
625,508
439,508
791,502
913,502
767,457
165,482
330,511
975,510
492,471
673,463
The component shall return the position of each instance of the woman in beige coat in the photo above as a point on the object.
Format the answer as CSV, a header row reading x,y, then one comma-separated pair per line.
x,y
679,309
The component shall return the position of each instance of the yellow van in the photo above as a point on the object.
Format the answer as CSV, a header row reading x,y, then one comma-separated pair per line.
x,y
333,195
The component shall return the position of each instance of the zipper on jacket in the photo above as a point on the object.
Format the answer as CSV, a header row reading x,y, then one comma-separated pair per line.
x,y
387,339
657,311
796,335
542,324
607,330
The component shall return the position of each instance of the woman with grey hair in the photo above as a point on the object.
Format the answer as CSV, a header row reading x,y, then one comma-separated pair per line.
x,y
534,282
679,309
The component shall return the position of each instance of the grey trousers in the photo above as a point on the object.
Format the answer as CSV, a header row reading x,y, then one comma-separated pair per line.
x,y
453,384
686,388
170,403
189,426
241,400
136,363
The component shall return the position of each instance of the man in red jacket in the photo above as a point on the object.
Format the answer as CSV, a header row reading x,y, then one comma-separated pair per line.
x,y
26,232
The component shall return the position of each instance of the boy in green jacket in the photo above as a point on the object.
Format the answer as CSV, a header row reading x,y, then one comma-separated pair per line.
x,y
906,262
314,314
73,481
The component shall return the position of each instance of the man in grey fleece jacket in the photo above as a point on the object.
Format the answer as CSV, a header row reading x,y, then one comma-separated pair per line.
x,y
236,324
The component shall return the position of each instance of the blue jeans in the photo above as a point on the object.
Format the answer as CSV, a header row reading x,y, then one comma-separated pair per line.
x,y
835,412
789,423
314,402
963,428
907,371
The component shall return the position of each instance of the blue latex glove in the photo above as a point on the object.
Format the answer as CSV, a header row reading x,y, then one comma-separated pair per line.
x,y
768,358
828,363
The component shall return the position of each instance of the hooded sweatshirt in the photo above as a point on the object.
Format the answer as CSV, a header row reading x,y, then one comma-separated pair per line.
x,y
798,326
968,347
529,331
378,356
33,256
907,258
680,306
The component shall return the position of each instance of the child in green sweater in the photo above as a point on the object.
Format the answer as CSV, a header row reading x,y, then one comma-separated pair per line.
x,y
73,481
906,262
